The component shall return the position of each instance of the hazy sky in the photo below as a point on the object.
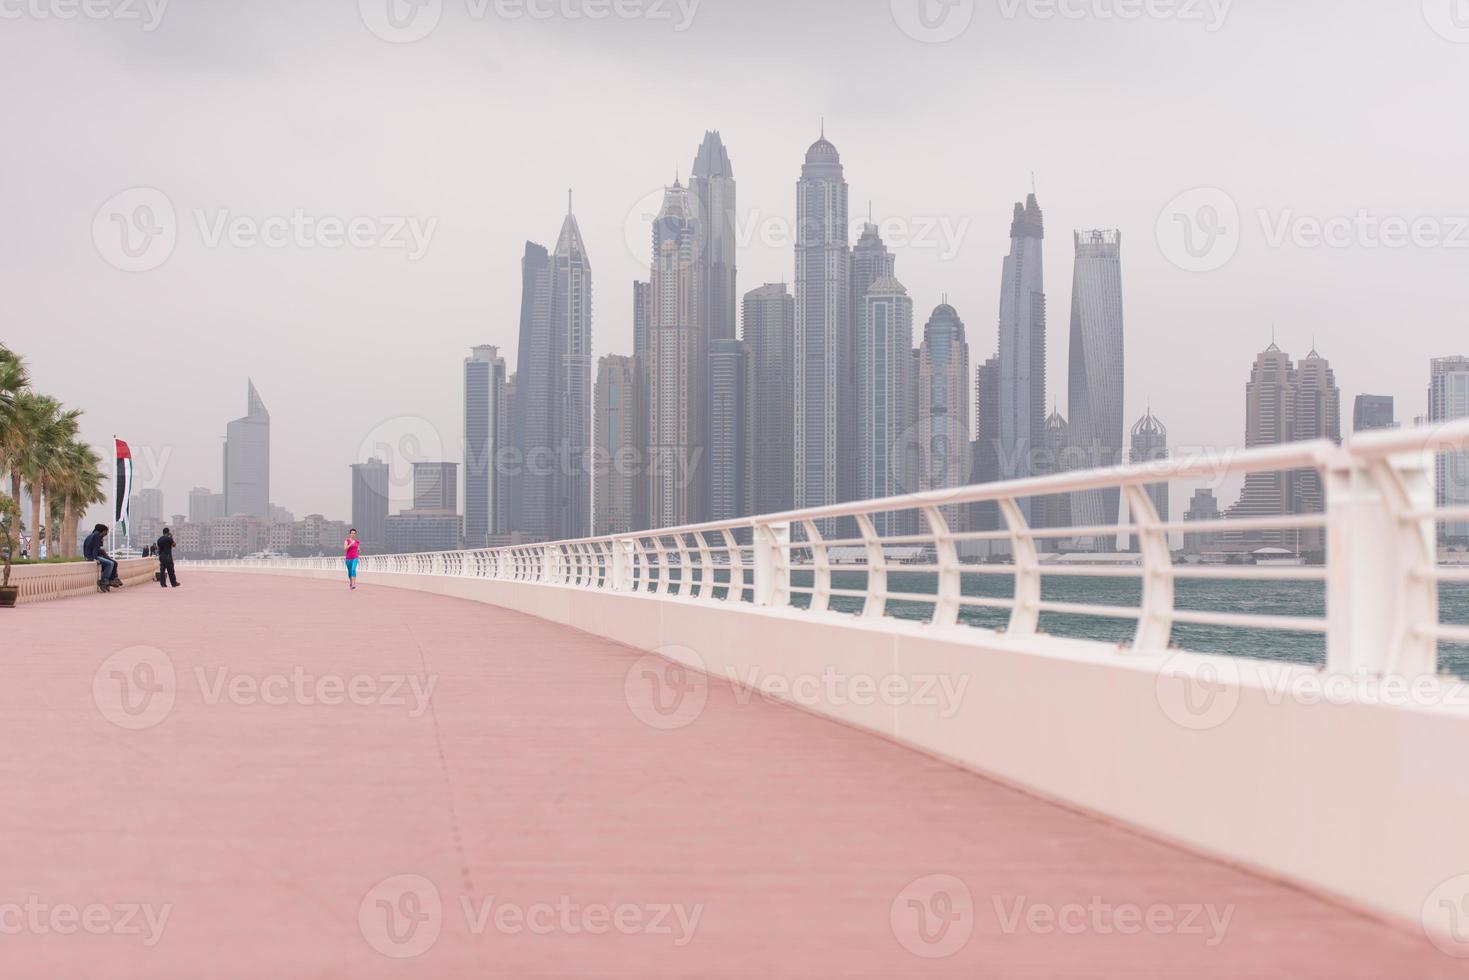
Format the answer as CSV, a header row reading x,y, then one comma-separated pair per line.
x,y
234,113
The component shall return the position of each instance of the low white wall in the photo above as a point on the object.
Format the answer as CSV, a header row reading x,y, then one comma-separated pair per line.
x,y
1367,802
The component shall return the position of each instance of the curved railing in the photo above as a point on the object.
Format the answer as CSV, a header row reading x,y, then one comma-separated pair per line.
x,y
1380,576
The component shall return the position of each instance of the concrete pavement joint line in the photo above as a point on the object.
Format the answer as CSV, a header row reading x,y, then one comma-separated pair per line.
x,y
454,828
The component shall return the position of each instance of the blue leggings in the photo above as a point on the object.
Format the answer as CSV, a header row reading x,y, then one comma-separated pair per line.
x,y
351,567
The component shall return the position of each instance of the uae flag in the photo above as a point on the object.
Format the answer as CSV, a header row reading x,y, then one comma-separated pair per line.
x,y
123,489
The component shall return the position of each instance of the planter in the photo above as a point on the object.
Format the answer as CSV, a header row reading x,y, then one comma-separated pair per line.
x,y
8,595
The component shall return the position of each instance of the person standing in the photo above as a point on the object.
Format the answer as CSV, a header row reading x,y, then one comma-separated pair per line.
x,y
93,550
350,549
164,550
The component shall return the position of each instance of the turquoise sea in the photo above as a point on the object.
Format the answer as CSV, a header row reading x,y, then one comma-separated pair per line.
x,y
1265,598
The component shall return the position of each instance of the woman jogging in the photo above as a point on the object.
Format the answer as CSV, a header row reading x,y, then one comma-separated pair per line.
x,y
351,547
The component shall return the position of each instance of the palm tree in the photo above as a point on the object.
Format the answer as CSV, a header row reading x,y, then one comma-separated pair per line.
x,y
81,486
14,380
47,429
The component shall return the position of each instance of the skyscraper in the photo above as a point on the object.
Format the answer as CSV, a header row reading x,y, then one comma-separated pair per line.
x,y
712,194
769,330
247,460
871,263
1096,381
436,488
147,505
1150,444
985,516
1284,403
642,358
534,393
887,464
571,318
371,497
1053,510
1203,507
487,437
1373,412
675,369
731,442
205,505
618,446
1317,415
823,326
1448,399
1022,346
943,408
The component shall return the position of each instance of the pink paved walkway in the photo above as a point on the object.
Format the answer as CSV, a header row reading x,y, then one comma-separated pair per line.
x,y
530,824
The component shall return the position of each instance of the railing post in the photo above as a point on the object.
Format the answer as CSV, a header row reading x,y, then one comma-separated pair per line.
x,y
772,565
621,577
950,582
550,565
1026,613
1379,556
1155,615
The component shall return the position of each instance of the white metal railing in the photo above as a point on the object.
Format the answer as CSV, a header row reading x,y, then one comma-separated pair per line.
x,y
1380,578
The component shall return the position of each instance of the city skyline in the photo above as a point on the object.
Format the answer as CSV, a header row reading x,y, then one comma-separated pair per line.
x,y
300,320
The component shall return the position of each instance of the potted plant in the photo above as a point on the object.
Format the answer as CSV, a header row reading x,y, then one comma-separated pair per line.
x,y
9,535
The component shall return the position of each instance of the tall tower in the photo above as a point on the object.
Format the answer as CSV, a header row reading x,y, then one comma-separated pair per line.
x,y
731,442
1270,404
616,421
1150,444
1315,415
535,397
247,460
769,330
1022,346
985,516
1448,399
370,503
943,408
487,436
1096,380
871,263
886,462
712,193
823,326
571,317
675,369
